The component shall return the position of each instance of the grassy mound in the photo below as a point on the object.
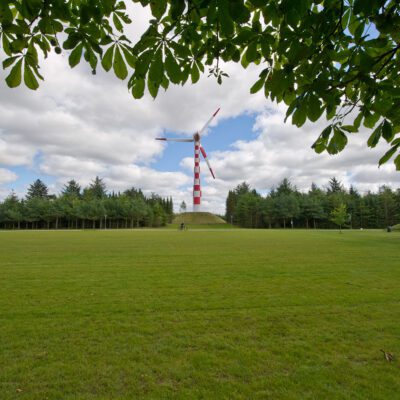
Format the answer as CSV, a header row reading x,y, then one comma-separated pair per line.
x,y
200,218
396,227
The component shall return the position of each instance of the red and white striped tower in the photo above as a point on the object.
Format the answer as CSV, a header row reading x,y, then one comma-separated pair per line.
x,y
198,148
196,183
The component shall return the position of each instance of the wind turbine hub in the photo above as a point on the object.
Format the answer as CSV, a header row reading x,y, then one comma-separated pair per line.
x,y
196,137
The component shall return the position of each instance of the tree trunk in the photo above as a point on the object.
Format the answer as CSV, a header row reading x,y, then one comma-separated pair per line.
x,y
56,222
284,223
94,224
83,224
19,224
131,223
48,225
315,226
307,223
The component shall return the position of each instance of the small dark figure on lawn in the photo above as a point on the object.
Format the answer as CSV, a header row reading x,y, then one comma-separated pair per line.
x,y
183,227
388,356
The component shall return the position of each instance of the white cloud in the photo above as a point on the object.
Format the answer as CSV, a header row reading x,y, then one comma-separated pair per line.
x,y
7,176
82,125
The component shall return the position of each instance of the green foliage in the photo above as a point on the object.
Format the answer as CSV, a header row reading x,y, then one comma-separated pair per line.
x,y
94,208
317,57
285,204
339,215
37,190
72,189
96,190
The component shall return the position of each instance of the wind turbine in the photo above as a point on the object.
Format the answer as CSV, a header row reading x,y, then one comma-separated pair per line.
x,y
198,148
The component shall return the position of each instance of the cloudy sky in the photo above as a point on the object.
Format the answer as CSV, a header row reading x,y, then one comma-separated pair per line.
x,y
79,125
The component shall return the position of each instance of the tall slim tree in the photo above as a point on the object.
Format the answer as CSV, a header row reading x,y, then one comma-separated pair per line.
x,y
13,209
339,215
230,205
387,206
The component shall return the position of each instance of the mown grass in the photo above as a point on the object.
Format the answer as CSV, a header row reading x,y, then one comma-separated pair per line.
x,y
164,314
201,226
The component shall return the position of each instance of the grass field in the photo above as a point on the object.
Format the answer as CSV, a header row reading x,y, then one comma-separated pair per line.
x,y
201,226
162,314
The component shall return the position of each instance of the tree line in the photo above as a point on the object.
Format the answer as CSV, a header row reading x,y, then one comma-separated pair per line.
x,y
91,207
285,206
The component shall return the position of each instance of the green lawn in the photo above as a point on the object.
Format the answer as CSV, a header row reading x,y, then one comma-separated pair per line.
x,y
163,314
201,226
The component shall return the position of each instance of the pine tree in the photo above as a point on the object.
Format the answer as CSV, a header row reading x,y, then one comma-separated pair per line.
x,y
242,189
285,187
13,209
72,189
37,190
182,207
231,203
335,186
96,190
387,206
354,207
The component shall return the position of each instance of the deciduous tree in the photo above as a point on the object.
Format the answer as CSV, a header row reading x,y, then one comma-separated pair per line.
x,y
339,216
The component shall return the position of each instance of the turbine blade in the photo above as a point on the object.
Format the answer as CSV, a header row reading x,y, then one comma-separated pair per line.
x,y
208,122
206,160
175,140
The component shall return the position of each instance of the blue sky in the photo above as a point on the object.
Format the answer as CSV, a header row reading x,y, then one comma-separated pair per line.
x,y
218,138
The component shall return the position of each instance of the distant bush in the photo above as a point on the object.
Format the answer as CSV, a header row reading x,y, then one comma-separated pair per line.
x,y
396,227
